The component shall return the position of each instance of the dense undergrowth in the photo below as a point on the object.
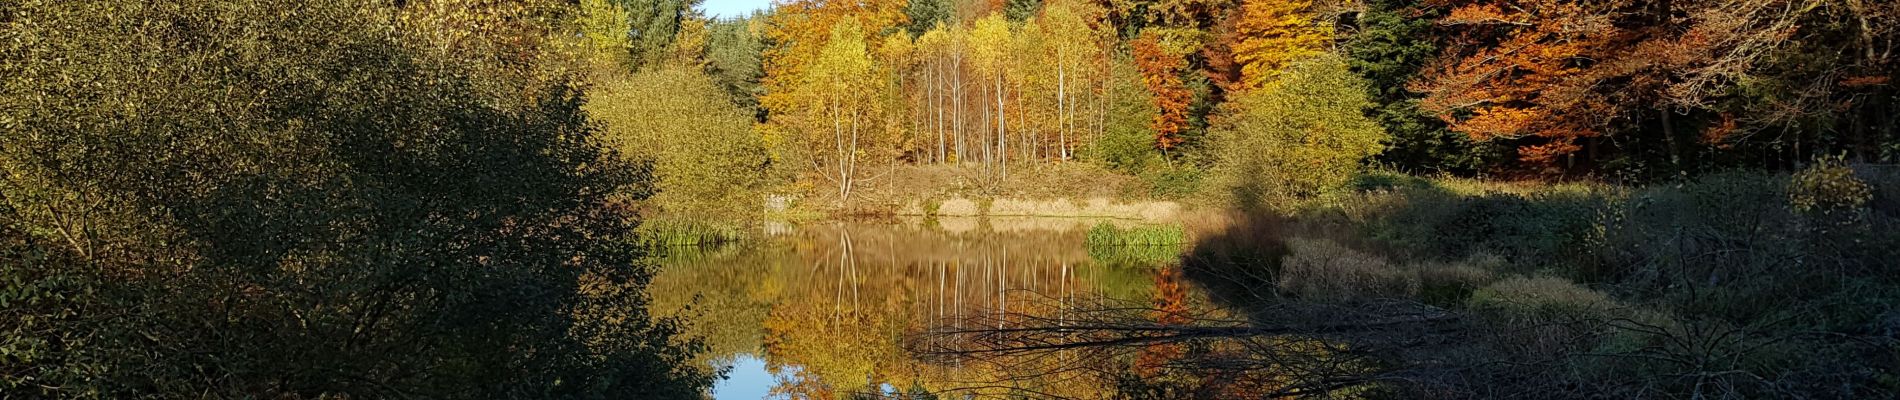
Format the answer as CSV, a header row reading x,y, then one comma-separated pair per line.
x,y
1728,285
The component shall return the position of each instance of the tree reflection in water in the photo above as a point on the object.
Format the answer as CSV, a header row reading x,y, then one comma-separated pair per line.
x,y
1016,308
830,307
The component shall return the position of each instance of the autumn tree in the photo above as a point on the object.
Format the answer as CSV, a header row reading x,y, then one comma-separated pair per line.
x,y
1161,65
602,41
838,125
1392,43
1522,86
1131,16
1298,137
800,33
1549,75
990,50
1268,35
1074,46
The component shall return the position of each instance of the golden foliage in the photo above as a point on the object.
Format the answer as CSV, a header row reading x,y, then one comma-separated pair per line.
x,y
1269,34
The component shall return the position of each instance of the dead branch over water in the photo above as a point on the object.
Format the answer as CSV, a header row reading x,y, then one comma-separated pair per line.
x,y
1282,351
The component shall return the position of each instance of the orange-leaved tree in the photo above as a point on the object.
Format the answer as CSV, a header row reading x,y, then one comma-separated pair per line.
x,y
1513,74
1548,74
1161,69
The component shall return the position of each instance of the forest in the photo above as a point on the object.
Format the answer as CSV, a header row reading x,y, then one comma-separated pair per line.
x,y
1408,198
842,104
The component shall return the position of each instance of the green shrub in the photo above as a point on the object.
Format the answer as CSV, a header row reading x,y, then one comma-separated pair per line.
x,y
1174,182
1544,316
1127,142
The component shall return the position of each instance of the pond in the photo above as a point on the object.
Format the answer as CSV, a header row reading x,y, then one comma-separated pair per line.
x,y
867,309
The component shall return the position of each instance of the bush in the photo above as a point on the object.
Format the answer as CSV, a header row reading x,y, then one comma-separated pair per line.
x,y
708,164
1174,182
1827,187
1885,182
1720,225
290,199
1544,316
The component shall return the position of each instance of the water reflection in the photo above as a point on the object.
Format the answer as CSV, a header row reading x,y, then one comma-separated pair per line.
x,y
827,308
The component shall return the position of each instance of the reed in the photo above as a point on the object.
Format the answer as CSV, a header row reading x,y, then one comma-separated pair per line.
x,y
687,233
1105,234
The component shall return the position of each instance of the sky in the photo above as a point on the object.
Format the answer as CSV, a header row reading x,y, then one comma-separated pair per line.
x,y
748,381
732,8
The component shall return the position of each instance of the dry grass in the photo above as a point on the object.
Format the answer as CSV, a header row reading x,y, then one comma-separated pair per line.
x,y
920,189
1325,270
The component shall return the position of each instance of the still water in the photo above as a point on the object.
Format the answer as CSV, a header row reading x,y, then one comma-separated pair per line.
x,y
841,310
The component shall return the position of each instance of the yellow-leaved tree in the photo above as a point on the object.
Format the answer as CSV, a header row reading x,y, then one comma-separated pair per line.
x,y
1297,137
990,49
838,125
1268,35
707,163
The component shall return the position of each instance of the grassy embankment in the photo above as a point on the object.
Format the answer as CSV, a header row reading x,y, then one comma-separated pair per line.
x,y
1731,284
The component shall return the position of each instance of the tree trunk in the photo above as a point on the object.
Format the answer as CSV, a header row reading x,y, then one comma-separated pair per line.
x,y
1002,129
838,153
1062,111
936,100
988,127
956,90
1669,138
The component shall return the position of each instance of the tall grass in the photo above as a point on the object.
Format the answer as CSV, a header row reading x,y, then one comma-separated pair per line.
x,y
1145,246
1105,234
669,233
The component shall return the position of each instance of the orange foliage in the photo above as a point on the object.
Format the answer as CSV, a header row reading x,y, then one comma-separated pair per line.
x,y
799,29
1717,135
1170,309
1547,73
1161,73
1517,75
